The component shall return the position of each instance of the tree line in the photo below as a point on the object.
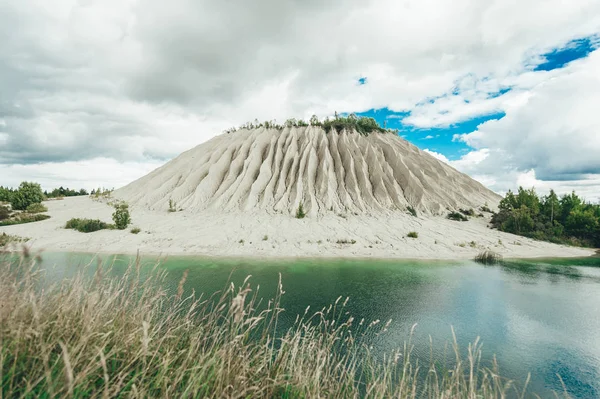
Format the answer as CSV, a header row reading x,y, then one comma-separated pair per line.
x,y
10,195
565,220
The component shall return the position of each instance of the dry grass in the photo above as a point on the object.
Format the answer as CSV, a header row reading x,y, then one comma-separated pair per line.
x,y
488,257
130,337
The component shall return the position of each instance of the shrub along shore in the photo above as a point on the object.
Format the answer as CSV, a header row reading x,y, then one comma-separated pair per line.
x,y
108,336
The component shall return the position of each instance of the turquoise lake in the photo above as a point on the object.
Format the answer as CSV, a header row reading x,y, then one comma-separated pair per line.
x,y
540,316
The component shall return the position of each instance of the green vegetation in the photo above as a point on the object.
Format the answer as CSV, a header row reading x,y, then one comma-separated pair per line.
x,y
265,238
121,216
457,216
172,205
21,218
486,208
488,258
135,230
4,213
36,208
467,212
135,337
64,192
86,225
412,211
28,193
101,193
345,241
351,122
6,239
300,212
413,234
565,220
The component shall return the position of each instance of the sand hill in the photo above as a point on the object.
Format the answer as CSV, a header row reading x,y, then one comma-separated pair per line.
x,y
276,170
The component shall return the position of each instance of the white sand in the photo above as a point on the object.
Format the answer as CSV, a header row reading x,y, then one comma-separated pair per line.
x,y
239,193
207,233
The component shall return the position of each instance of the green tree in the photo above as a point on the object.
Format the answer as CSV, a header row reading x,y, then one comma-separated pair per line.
x,y
27,194
5,194
550,206
519,221
581,223
568,203
121,216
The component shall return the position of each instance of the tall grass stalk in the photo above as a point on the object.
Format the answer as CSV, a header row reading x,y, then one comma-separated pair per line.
x,y
106,336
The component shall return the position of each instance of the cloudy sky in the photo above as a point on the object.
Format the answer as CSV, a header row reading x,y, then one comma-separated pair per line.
x,y
99,92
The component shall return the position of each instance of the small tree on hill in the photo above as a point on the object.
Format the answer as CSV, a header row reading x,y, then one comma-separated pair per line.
x,y
300,212
121,216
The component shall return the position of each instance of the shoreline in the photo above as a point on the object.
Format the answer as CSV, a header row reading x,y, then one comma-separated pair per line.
x,y
254,258
261,235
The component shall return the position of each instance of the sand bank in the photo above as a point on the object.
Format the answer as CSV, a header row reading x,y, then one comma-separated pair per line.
x,y
263,234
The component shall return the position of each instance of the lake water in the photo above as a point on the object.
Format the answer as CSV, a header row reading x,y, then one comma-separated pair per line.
x,y
538,316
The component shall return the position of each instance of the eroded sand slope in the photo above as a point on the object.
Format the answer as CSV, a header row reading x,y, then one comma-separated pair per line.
x,y
275,171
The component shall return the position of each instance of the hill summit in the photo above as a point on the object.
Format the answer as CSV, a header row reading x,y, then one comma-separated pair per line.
x,y
340,169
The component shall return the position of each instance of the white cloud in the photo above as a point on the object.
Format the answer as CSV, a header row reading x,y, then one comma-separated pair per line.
x,y
556,132
142,80
89,174
437,155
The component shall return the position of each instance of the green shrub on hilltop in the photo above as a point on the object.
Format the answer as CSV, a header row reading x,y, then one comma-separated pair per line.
x,y
352,122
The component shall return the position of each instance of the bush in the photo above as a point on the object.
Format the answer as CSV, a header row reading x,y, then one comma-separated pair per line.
x,y
412,211
4,213
457,217
23,218
121,216
27,194
135,230
300,212
172,205
488,258
36,208
413,234
345,241
86,225
467,212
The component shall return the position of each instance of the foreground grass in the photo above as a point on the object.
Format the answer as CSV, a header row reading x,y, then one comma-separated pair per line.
x,y
129,337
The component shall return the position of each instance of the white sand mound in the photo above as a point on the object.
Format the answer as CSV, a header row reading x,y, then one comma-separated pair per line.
x,y
276,170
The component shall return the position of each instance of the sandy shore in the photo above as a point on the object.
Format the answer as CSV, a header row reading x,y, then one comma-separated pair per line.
x,y
277,235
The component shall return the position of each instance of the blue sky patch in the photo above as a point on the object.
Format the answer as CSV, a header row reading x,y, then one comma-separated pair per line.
x,y
435,139
574,50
